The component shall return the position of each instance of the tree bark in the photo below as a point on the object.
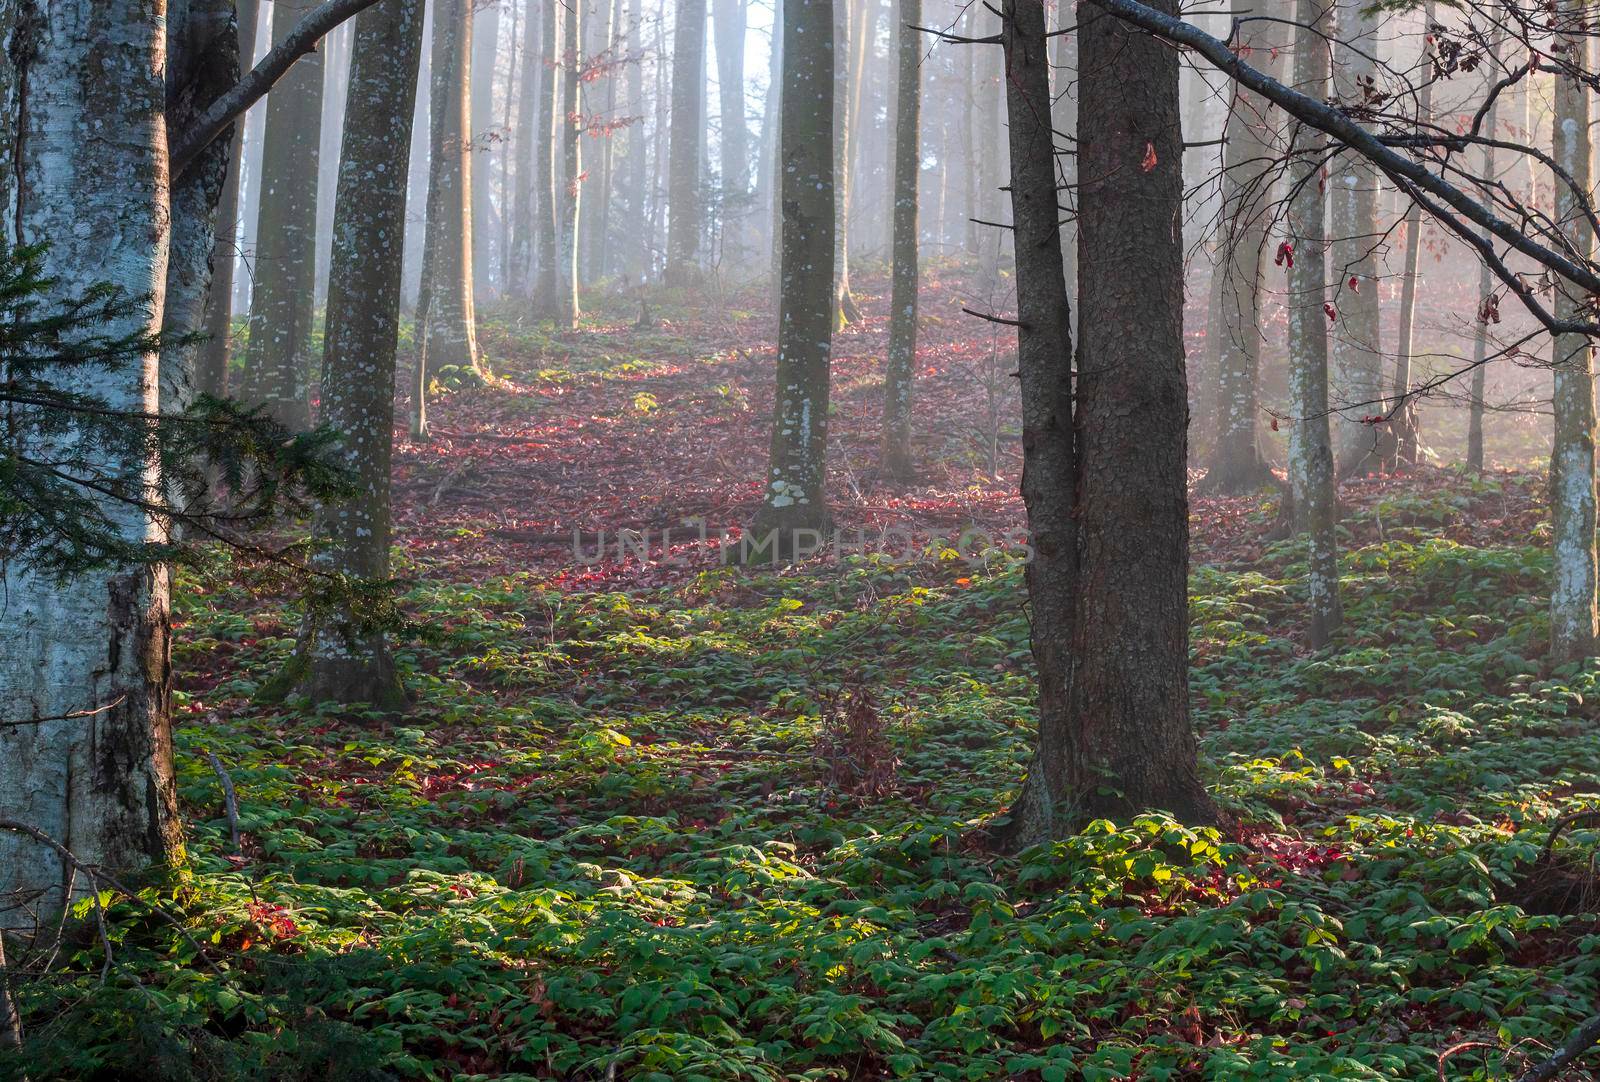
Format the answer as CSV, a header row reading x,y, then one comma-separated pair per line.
x,y
1049,469
211,376
450,329
1480,334
795,498
485,143
1133,748
282,307
1573,625
544,169
525,185
85,665
1311,472
1236,464
347,662
685,210
729,21
1357,350
567,194
1402,441
845,310
897,459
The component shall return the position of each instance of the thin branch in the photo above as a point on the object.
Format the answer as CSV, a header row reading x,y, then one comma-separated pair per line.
x,y
995,319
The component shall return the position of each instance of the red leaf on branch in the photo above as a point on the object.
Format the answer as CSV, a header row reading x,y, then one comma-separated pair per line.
x,y
1285,254
1149,162
1355,284
1333,313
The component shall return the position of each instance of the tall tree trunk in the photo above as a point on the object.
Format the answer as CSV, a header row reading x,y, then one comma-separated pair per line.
x,y
1357,352
638,259
1065,89
524,197
545,204
567,194
1486,284
346,661
450,329
1311,472
1049,468
685,208
335,84
596,90
845,310
774,122
88,660
282,308
1133,748
897,460
485,142
1572,456
1404,437
211,376
795,500
1236,464
729,20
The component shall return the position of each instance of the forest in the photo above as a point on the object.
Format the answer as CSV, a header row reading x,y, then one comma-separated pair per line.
x,y
766,540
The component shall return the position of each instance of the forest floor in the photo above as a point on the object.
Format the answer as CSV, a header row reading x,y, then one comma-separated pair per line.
x,y
668,818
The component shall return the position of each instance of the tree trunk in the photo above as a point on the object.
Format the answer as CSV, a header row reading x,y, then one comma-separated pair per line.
x,y
897,460
524,196
282,306
347,662
335,84
596,90
484,144
845,310
729,16
1049,471
1236,464
545,204
1065,89
795,499
567,194
450,329
85,665
1133,748
1357,341
638,259
211,375
1572,456
1486,286
685,210
774,121
1402,442
1311,473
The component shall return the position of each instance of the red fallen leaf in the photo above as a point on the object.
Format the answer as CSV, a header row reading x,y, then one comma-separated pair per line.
x,y
1149,162
1285,254
1355,284
1333,313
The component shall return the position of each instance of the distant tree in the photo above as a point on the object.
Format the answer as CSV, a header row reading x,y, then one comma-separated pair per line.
x,y
345,658
211,375
907,166
282,308
545,204
525,195
1486,296
1311,467
1236,464
844,79
729,20
1357,348
795,498
567,191
485,141
449,314
685,200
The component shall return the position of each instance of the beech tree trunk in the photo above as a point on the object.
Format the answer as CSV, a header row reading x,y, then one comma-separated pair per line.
x,y
485,144
85,665
1237,465
1486,286
897,460
525,185
1357,341
685,211
1573,625
729,20
1133,748
1311,472
347,662
1404,437
845,310
795,500
567,193
450,336
545,204
211,374
282,305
